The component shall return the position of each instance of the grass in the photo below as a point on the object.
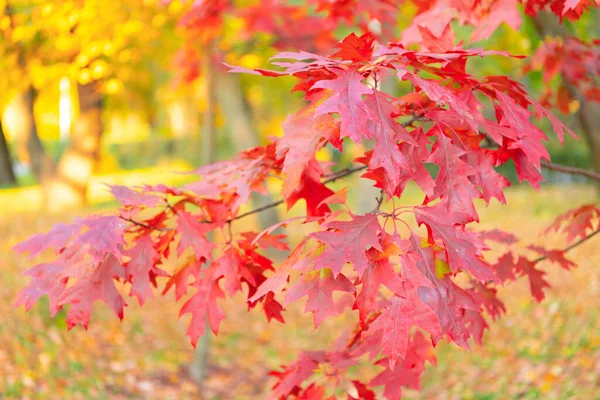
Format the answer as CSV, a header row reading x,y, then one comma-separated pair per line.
x,y
548,351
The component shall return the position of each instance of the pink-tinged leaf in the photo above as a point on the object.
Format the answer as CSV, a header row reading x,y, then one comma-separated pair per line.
x,y
193,234
395,323
94,281
558,127
104,234
444,297
555,255
44,280
291,378
141,269
452,184
537,283
303,135
408,372
274,284
203,305
387,132
500,11
498,236
379,272
233,268
577,222
486,178
440,43
476,325
347,101
58,237
181,279
319,287
338,197
265,239
440,94
487,296
463,249
504,268
348,243
130,197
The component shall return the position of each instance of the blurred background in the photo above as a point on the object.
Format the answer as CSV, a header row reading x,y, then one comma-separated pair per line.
x,y
129,92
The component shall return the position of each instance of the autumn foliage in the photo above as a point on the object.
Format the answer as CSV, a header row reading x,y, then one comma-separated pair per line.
x,y
414,274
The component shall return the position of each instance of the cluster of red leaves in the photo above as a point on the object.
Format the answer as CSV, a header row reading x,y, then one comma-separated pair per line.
x,y
291,26
576,62
410,288
433,18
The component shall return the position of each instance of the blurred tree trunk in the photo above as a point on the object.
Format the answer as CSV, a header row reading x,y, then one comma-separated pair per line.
x,y
29,147
68,186
588,114
244,134
200,363
7,176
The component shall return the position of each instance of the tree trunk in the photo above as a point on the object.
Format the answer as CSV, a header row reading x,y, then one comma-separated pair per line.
x,y
588,113
7,176
243,131
200,363
68,187
29,147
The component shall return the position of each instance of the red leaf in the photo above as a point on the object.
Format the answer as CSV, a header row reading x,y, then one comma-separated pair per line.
x,y
379,272
203,305
94,281
141,269
537,282
395,323
193,234
318,286
346,100
44,280
463,250
356,48
348,243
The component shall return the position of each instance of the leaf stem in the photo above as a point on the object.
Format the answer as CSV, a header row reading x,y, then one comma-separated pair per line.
x,y
572,246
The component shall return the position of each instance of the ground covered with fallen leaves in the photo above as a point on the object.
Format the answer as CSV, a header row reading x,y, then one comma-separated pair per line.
x,y
549,350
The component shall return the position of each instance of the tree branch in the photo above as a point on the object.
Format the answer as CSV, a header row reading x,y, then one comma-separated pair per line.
x,y
571,170
572,246
332,178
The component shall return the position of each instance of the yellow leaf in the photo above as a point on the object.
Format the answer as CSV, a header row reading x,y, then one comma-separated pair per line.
x,y
442,269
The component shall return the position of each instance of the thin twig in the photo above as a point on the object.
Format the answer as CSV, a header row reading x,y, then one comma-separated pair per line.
x,y
335,177
572,246
143,225
571,170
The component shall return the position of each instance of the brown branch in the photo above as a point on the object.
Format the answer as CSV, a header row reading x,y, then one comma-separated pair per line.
x,y
571,170
332,178
572,246
143,225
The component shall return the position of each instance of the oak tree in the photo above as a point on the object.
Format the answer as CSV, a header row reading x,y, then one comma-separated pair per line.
x,y
412,274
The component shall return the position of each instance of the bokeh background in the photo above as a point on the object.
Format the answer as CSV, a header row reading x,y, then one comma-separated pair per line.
x,y
102,92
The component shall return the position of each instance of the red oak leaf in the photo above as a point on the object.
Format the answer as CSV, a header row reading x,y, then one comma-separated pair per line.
x,y
203,306
93,281
318,286
346,100
193,234
395,323
537,283
348,243
141,270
